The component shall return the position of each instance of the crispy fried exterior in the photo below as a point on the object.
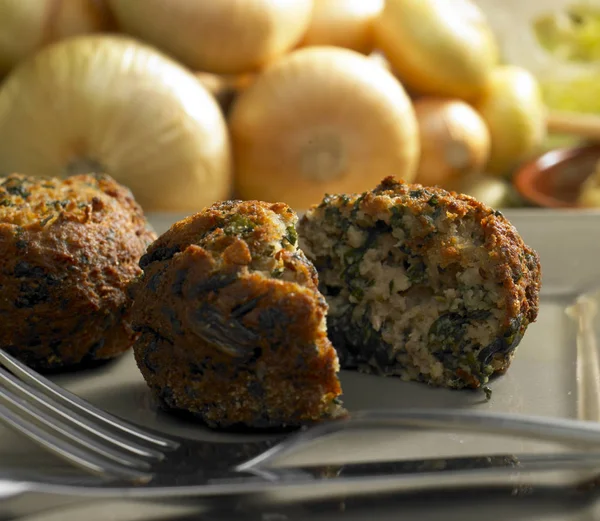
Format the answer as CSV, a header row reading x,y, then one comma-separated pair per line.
x,y
232,323
69,249
422,283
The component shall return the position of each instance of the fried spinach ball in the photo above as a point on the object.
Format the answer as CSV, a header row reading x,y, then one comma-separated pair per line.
x,y
232,323
69,249
422,283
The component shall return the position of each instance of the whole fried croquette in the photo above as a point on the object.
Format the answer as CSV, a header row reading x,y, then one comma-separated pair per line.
x,y
422,283
69,249
232,323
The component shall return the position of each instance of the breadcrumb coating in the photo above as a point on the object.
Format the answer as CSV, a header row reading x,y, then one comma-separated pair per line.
x,y
69,248
232,323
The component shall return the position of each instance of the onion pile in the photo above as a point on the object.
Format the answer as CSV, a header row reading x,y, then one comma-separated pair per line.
x,y
278,100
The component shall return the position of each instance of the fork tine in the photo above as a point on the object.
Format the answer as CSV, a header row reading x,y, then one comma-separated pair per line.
x,y
81,457
70,416
55,425
47,387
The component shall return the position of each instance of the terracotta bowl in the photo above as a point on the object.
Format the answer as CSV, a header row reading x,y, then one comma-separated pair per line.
x,y
553,180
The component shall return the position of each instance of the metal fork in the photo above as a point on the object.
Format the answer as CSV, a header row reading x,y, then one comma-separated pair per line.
x,y
133,462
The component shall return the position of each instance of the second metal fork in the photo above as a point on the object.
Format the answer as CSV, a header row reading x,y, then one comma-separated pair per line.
x,y
138,462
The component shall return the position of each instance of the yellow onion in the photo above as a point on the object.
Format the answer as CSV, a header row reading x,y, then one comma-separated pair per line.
x,y
27,25
343,23
454,140
223,36
438,47
512,107
111,104
322,119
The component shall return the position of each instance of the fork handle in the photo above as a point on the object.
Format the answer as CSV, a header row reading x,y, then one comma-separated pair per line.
x,y
582,125
571,432
461,477
574,433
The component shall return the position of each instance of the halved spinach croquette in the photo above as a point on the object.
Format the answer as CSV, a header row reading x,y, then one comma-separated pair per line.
x,y
422,283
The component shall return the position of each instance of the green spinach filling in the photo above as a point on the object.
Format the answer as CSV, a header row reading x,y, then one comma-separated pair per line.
x,y
238,224
452,337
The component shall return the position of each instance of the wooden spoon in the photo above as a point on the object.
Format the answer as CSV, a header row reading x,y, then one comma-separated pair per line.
x,y
584,125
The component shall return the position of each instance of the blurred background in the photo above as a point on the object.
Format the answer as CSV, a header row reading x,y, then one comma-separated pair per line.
x,y
191,101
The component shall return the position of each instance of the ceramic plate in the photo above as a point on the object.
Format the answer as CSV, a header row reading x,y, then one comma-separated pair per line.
x,y
555,373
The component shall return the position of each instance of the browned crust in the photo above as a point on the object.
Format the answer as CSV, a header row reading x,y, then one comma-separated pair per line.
x,y
69,248
224,340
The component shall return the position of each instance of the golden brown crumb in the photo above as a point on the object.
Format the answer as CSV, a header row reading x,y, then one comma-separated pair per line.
x,y
232,324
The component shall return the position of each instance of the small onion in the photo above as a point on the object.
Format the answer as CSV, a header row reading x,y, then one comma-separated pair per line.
x,y
437,47
490,190
222,36
110,104
454,140
343,23
512,107
322,119
28,25
589,196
